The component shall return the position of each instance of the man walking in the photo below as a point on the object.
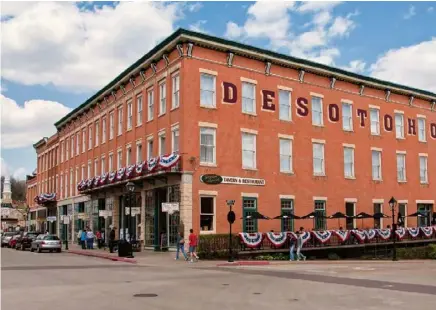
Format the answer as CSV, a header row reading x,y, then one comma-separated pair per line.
x,y
292,244
193,241
299,246
112,240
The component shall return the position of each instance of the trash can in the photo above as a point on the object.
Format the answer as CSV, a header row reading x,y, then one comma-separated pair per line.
x,y
124,249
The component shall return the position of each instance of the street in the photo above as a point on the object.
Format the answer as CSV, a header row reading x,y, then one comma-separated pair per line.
x,y
66,281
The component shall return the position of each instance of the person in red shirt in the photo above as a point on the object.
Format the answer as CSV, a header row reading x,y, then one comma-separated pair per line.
x,y
193,242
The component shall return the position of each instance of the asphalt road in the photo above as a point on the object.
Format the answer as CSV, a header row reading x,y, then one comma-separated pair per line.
x,y
66,281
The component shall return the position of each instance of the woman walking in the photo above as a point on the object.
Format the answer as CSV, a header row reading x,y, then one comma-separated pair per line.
x,y
180,246
83,239
90,239
299,246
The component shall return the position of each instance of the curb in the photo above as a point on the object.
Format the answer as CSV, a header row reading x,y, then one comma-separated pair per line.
x,y
245,263
103,256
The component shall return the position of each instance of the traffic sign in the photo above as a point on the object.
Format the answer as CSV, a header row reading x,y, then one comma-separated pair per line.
x,y
231,217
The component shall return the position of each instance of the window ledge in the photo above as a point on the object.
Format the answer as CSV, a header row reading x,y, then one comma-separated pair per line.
x,y
423,141
104,142
250,169
249,113
119,135
150,120
286,120
377,180
207,107
319,175
400,138
287,172
322,125
207,232
348,130
424,183
350,178
162,114
138,125
174,108
130,129
375,134
405,181
208,164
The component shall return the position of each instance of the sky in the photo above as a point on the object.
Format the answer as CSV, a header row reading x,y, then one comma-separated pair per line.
x,y
55,55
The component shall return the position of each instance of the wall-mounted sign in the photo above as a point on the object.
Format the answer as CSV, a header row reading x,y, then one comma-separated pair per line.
x,y
66,220
170,207
135,211
51,219
82,216
104,213
211,179
243,181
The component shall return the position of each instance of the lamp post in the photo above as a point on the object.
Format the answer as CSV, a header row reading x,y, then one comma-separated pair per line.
x,y
130,188
231,220
393,205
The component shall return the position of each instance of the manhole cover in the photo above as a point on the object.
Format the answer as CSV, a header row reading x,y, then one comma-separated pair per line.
x,y
257,293
145,295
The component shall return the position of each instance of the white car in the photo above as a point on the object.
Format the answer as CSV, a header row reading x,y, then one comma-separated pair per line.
x,y
46,243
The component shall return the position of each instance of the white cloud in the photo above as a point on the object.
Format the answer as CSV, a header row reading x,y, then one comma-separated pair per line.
x,y
341,27
195,7
3,88
314,6
14,8
20,173
411,65
410,13
5,170
22,126
198,26
357,66
81,50
233,30
430,9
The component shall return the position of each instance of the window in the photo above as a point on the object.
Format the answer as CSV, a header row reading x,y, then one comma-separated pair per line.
x,y
317,112
71,182
103,130
111,162
374,115
103,164
347,117
378,221
161,144
89,170
285,155
83,173
401,167
150,149
67,153
163,98
72,146
90,137
139,110
62,153
66,184
287,209
176,91
120,159
348,162
248,98
150,98
95,167
207,90
77,144
426,210
320,212
207,208
249,205
285,113
402,209
120,120
318,159
399,126
111,125
129,115
421,129
139,153
128,156
83,140
97,126
207,145
62,186
376,165
423,174
350,212
248,150
175,141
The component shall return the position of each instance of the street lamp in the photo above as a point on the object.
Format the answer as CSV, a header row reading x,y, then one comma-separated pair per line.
x,y
393,206
130,188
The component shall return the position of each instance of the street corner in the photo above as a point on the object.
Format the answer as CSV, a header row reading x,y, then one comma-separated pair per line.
x,y
103,256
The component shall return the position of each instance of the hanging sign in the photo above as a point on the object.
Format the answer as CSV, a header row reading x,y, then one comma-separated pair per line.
x,y
66,219
170,207
104,213
211,179
82,216
51,219
135,210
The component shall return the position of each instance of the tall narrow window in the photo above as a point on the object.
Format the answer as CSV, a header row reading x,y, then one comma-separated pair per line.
x,y
421,130
139,110
83,140
71,182
90,137
95,167
176,91
62,154
175,141
162,98
317,112
66,184
150,99
401,167
399,126
119,159
349,162
128,156
207,212
139,153
347,117
120,120
285,113
374,115
249,205
62,185
207,145
82,175
77,144
285,155
67,153
150,149
97,132
103,130
287,212
111,162
318,159
376,165
320,211
89,170
72,146
162,141
377,208
248,150
248,98
423,174
111,125
103,165
129,115
207,90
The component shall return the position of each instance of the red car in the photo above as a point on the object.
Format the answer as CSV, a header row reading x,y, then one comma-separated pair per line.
x,y
13,242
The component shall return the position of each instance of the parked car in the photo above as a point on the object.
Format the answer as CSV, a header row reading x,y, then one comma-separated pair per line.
x,y
7,236
25,241
46,243
13,241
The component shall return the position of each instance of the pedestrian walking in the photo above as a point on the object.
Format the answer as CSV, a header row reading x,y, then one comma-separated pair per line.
x,y
193,241
90,239
98,235
79,235
180,246
292,244
83,239
112,240
299,246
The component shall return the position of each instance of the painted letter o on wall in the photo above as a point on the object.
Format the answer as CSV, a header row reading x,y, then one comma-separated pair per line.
x,y
388,122
333,113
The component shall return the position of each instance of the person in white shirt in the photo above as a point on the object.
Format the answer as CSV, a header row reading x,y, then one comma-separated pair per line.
x,y
90,239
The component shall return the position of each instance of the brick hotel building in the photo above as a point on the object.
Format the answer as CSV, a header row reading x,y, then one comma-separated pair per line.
x,y
286,135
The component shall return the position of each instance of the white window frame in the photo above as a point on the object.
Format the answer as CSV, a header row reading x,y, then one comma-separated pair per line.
x,y
285,105
205,105
150,104
352,176
88,172
175,133
72,146
139,107
119,158
111,162
208,131
380,176
423,169
77,144
150,147
128,155
82,175
67,153
245,97
288,156
89,137
162,145
95,167
120,121
421,129
374,123
245,149
83,141
175,103
162,97
213,231
129,114
111,125
399,127
62,185
320,112
138,152
103,163
347,121
62,154
97,132
322,144
401,158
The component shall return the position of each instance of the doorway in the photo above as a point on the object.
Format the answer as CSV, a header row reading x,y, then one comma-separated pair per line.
x,y
161,229
349,211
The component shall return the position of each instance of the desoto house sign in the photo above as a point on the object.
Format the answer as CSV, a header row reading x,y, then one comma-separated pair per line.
x,y
216,179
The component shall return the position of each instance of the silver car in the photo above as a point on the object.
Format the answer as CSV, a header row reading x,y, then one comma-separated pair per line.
x,y
6,237
46,243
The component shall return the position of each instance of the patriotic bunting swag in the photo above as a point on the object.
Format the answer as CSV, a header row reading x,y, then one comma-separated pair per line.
x,y
277,239
96,181
427,231
370,234
169,161
252,240
343,235
46,197
152,164
413,231
120,173
130,171
322,236
385,234
112,176
292,235
103,178
90,182
359,234
400,232
140,168
305,237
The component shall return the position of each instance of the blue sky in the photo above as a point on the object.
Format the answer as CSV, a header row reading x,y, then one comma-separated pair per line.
x,y
56,55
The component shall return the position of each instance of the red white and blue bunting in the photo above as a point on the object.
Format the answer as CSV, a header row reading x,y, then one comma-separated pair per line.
x,y
427,231
400,232
292,235
305,237
322,236
97,181
152,164
90,182
168,161
130,171
112,176
385,234
343,235
278,239
45,197
103,178
251,240
413,231
120,174
370,234
359,234
139,169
